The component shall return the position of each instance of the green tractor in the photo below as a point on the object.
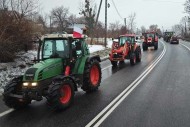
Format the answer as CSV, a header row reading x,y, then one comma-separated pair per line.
x,y
63,65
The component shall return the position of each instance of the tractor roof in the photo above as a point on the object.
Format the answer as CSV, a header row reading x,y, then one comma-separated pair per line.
x,y
128,35
60,36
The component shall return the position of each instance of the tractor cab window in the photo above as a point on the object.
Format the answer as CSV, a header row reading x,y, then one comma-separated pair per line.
x,y
150,35
123,40
77,47
55,49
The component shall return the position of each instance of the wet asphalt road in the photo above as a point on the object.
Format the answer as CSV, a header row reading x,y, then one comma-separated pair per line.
x,y
162,99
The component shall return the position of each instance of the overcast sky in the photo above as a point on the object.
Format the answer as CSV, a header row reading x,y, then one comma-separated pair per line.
x,y
164,13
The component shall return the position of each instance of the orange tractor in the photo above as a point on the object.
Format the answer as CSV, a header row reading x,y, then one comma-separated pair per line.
x,y
125,48
150,40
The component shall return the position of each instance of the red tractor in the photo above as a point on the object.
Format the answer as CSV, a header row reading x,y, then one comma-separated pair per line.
x,y
125,48
150,40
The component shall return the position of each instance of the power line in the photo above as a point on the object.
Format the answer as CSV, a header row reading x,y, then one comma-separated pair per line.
x,y
117,10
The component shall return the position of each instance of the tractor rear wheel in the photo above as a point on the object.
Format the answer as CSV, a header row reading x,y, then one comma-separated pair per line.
x,y
145,47
114,63
92,76
13,102
61,94
156,46
133,59
138,54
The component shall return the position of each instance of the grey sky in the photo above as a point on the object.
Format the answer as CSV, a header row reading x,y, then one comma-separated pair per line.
x,y
164,13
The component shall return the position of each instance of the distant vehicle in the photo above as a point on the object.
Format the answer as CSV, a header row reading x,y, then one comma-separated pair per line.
x,y
174,40
125,48
150,40
168,35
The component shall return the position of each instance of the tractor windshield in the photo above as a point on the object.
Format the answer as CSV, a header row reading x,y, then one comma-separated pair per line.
x,y
124,39
150,35
54,48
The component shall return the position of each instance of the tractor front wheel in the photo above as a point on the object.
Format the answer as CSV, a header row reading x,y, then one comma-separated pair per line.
x,y
13,102
92,76
61,94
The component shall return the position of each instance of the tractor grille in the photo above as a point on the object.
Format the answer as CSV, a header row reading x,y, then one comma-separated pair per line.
x,y
29,75
40,75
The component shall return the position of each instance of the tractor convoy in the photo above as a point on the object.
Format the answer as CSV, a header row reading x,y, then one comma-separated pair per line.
x,y
64,64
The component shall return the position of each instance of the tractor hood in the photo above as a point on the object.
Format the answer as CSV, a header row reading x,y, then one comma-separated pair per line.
x,y
44,70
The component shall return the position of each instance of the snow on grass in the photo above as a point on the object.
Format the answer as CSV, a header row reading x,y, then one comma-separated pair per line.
x,y
95,48
10,70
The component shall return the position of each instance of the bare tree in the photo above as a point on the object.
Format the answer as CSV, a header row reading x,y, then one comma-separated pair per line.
x,y
177,29
88,10
114,29
15,26
131,22
153,27
59,17
143,29
187,6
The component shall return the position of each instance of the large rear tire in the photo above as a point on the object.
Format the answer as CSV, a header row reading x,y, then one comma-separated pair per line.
x,y
145,47
14,87
138,54
61,94
156,46
92,76
133,59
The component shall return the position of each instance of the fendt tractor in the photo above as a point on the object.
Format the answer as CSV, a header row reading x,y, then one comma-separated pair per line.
x,y
63,64
125,48
168,36
150,40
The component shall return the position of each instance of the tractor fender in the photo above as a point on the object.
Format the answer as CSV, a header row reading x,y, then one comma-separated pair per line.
x,y
97,57
18,78
62,77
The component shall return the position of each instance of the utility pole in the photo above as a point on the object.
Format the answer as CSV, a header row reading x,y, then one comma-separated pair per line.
x,y
105,41
96,22
125,25
185,29
50,25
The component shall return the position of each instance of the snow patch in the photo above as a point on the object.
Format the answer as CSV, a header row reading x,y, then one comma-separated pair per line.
x,y
95,48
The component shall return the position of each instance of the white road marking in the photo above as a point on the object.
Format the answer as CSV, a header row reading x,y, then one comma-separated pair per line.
x,y
6,112
185,46
114,104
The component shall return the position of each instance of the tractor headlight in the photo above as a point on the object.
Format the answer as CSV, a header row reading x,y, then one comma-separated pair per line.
x,y
25,84
34,84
